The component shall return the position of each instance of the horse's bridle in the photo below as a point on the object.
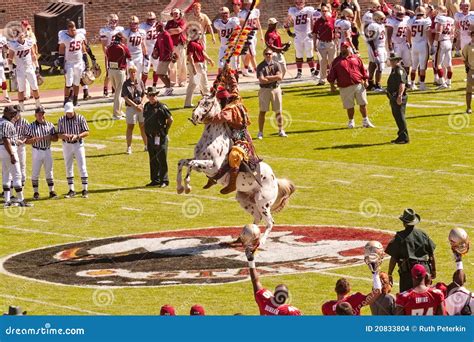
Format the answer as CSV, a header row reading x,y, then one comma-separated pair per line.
x,y
205,113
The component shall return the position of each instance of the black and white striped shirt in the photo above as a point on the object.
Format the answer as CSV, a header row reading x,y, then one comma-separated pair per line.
x,y
37,129
21,126
74,125
7,130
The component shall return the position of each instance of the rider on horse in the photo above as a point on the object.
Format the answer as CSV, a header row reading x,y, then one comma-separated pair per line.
x,y
236,116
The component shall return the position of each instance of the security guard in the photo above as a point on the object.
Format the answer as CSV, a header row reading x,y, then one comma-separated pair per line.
x,y
396,92
410,247
158,121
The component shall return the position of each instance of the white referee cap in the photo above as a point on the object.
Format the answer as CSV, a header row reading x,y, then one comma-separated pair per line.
x,y
68,107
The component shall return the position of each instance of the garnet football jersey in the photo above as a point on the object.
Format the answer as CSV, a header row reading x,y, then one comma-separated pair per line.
x,y
420,303
264,298
356,300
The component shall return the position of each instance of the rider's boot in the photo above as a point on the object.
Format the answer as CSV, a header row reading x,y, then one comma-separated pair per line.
x,y
210,183
234,172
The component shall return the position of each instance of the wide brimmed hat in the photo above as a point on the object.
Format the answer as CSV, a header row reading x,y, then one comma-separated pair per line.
x,y
14,311
394,57
152,91
409,217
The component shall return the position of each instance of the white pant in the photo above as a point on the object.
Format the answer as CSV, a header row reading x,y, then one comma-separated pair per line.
x,y
178,72
9,169
201,77
233,61
26,78
150,64
379,57
419,55
73,73
280,59
21,150
403,51
2,75
137,61
304,46
40,158
77,151
464,41
443,55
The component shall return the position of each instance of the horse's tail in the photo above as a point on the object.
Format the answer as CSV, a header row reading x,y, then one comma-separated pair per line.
x,y
285,189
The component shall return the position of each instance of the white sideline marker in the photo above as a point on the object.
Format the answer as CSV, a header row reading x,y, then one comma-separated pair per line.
x,y
340,181
455,103
86,215
172,203
131,209
461,165
38,220
96,146
382,176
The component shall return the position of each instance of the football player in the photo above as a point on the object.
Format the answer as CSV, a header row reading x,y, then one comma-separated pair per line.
x,y
374,5
443,47
343,29
3,79
418,38
375,38
22,58
397,27
356,300
135,38
225,26
462,24
106,34
253,23
421,300
301,17
149,26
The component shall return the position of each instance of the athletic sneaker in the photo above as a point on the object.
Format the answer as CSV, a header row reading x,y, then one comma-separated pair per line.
x,y
298,75
321,82
315,73
282,134
245,73
53,195
145,148
351,124
25,204
443,86
367,124
85,194
469,111
457,54
114,117
413,87
422,87
260,135
378,89
36,196
8,204
168,92
70,194
106,93
129,150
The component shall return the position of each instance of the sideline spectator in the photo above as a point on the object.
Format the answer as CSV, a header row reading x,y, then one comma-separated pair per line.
x,y
468,56
117,55
164,52
384,305
133,92
344,309
197,310
206,25
167,310
269,76
176,28
158,121
273,41
197,58
349,73
324,34
409,247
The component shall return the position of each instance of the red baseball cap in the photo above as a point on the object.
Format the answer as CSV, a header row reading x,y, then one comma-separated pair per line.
x,y
288,310
418,271
237,2
197,310
336,3
167,310
346,44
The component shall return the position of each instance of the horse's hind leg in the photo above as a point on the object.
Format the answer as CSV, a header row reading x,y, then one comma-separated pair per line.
x,y
179,185
264,205
187,180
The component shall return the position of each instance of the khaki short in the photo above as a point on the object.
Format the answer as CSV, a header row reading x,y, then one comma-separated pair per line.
x,y
134,116
163,67
357,92
470,81
267,96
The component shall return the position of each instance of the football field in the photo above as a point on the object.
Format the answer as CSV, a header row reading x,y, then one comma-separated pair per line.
x,y
344,178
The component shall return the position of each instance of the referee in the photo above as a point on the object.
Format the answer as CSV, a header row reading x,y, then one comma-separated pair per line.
x,y
40,134
9,158
72,129
21,127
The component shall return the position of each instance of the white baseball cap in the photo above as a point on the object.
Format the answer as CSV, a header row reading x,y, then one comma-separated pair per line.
x,y
272,21
68,107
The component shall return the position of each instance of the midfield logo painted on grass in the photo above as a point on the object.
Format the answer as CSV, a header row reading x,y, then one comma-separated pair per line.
x,y
194,256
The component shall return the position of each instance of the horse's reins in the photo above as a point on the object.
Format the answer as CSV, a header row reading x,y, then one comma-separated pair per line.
x,y
205,113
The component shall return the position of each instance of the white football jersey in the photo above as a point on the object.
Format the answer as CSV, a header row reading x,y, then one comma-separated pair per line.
x,y
226,29
447,27
420,29
343,28
106,33
3,43
376,34
253,18
134,41
73,50
302,20
22,56
367,19
151,35
463,21
399,35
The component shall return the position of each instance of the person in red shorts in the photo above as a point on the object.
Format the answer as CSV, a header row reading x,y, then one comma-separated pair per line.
x,y
421,300
356,300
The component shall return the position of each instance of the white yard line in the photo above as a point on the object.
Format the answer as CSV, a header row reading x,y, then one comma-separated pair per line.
x,y
340,181
455,103
72,308
38,220
131,209
381,176
35,231
86,214
172,203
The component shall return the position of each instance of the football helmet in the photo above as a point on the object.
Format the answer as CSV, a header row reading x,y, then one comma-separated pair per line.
x,y
88,77
39,80
373,255
459,241
347,13
464,7
378,17
250,235
442,10
134,22
420,10
150,18
399,11
96,70
112,20
374,4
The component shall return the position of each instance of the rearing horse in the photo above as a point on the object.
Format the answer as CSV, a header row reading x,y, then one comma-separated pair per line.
x,y
260,198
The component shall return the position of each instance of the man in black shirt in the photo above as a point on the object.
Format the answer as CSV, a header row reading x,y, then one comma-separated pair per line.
x,y
158,121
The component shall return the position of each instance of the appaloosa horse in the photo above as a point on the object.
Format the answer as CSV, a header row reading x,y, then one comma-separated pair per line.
x,y
260,194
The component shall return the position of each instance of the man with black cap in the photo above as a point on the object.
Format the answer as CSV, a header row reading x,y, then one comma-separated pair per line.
x,y
14,311
40,134
397,94
158,121
9,158
410,247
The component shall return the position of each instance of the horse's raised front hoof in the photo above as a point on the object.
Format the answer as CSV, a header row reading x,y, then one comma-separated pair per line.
x,y
187,190
180,189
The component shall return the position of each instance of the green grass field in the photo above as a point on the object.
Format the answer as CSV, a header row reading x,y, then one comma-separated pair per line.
x,y
337,172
